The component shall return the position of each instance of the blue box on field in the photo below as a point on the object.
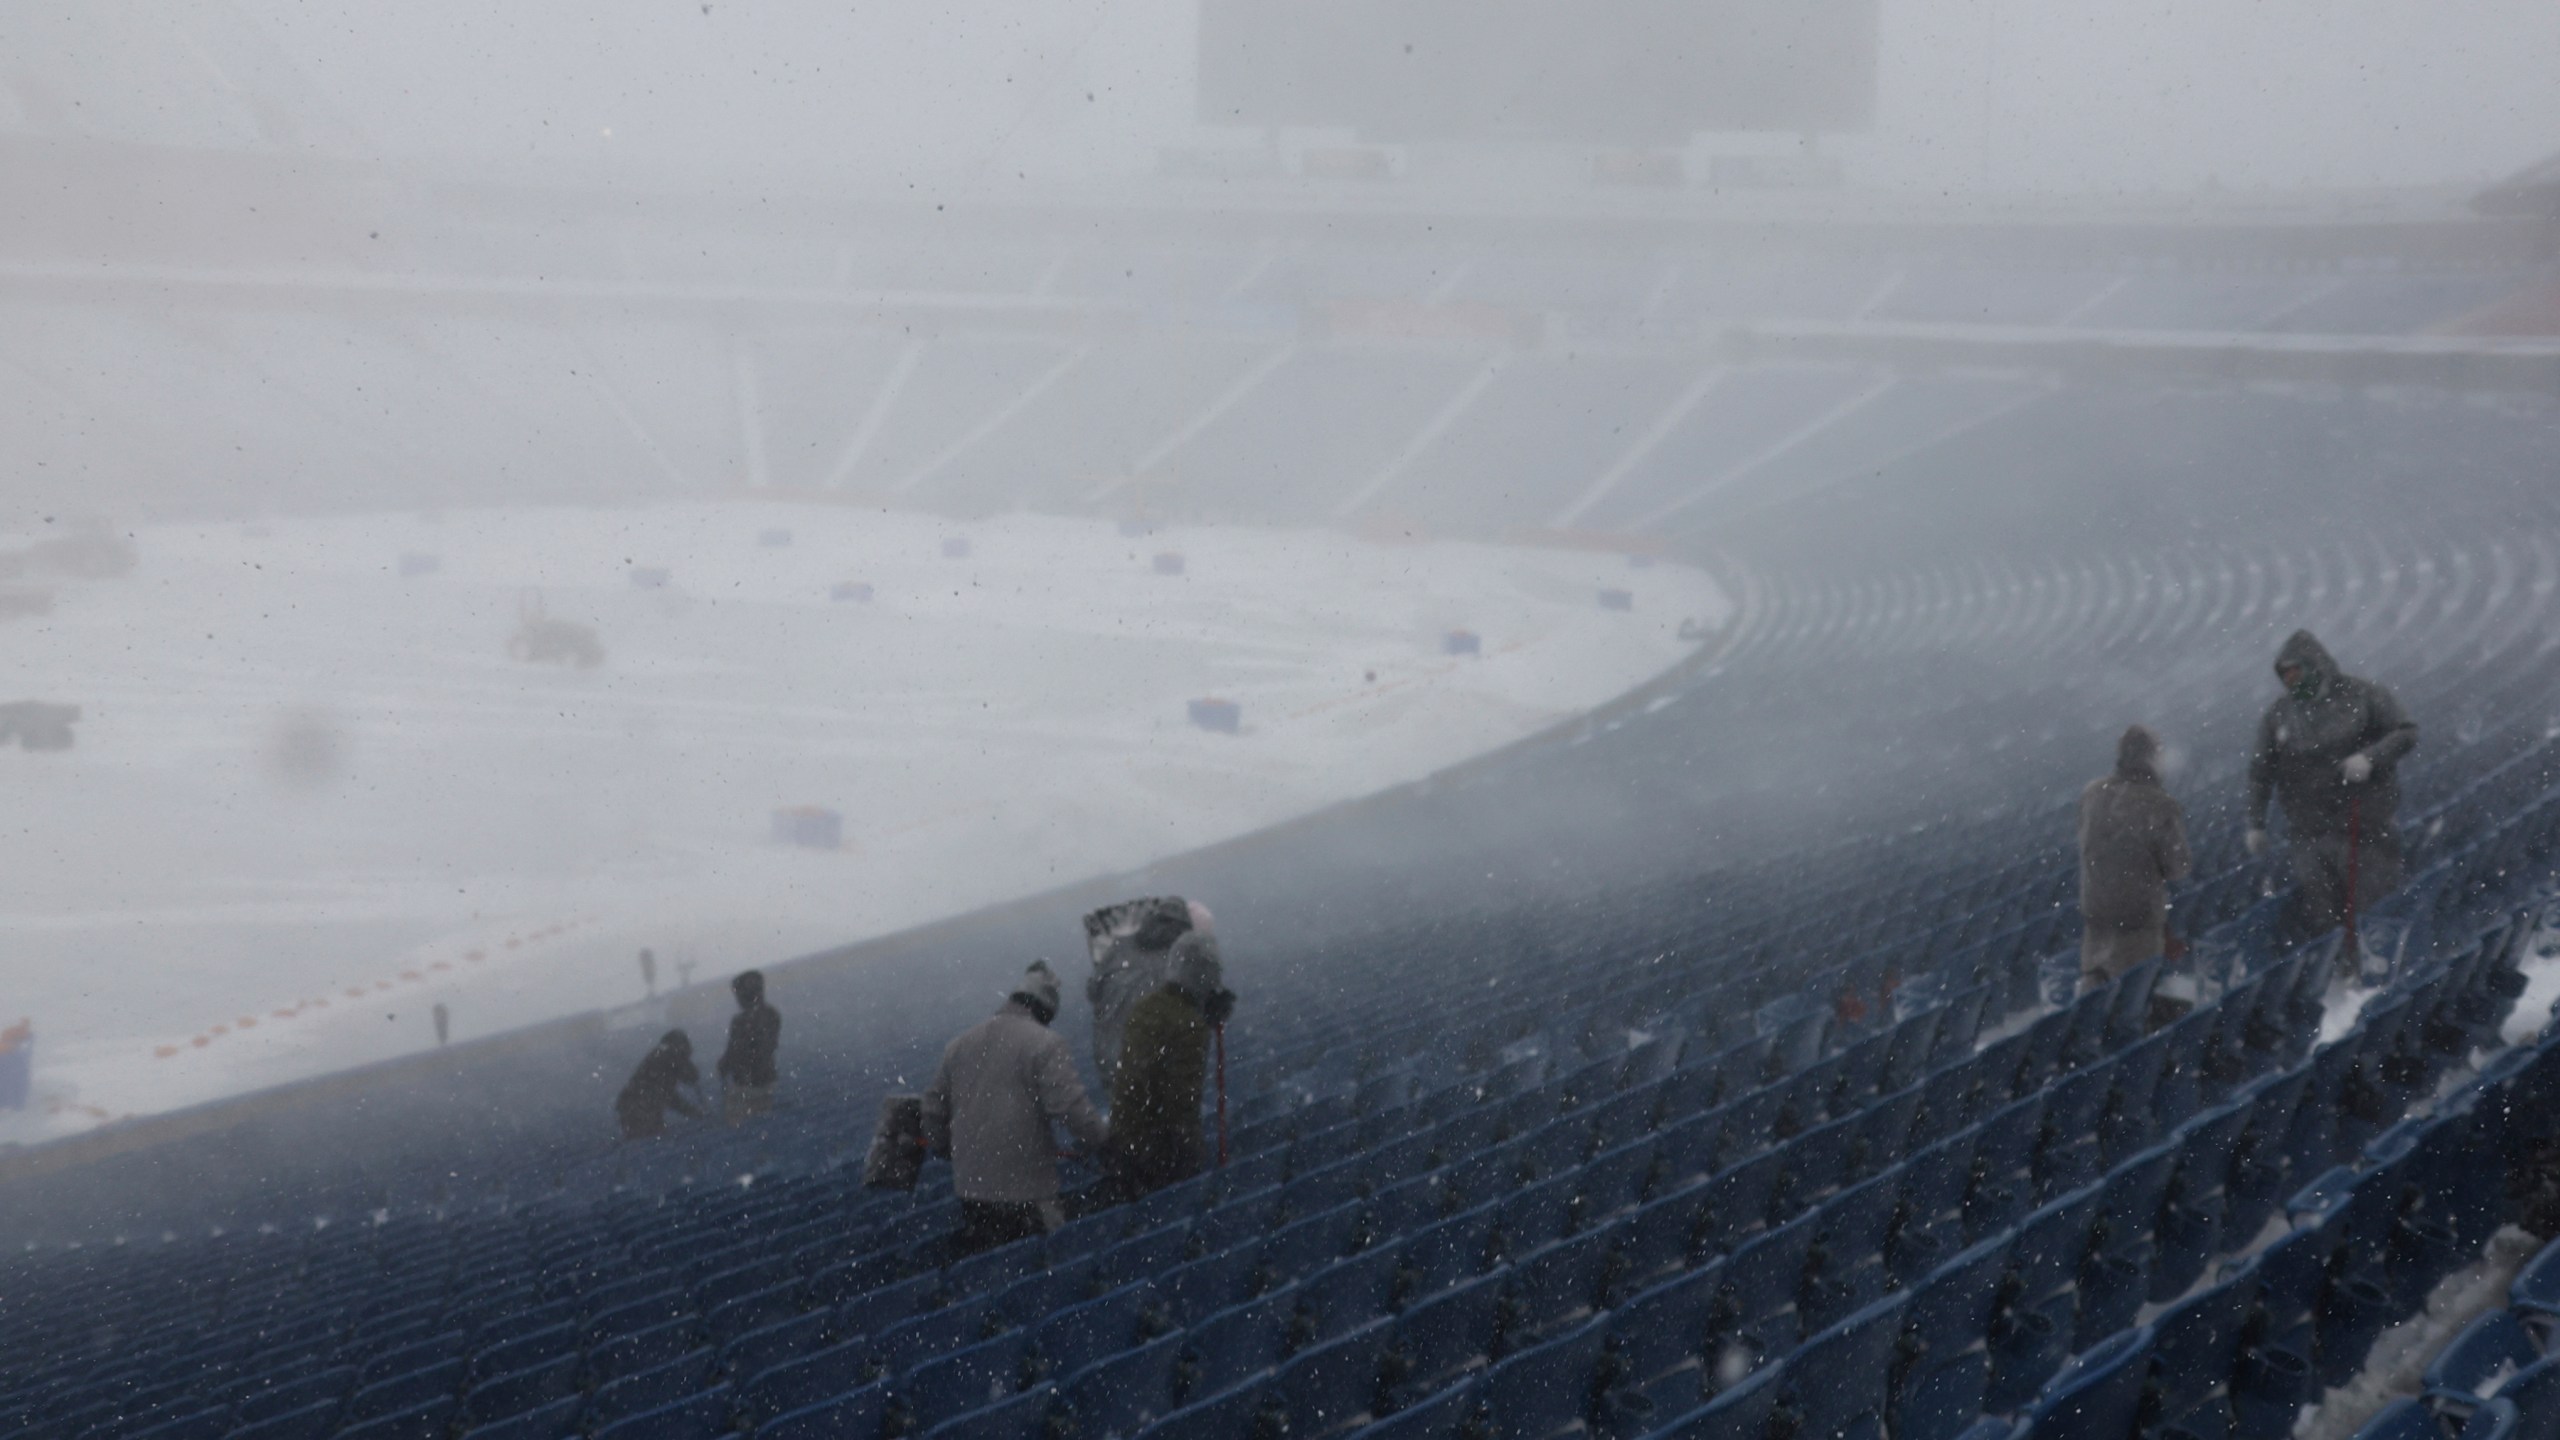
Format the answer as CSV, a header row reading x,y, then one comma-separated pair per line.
x,y
1461,642
810,827
857,590
1224,716
415,563
1169,563
773,539
17,1065
651,577
1617,599
956,548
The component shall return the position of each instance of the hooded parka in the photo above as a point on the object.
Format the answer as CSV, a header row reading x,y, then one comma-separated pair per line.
x,y
2133,843
2304,743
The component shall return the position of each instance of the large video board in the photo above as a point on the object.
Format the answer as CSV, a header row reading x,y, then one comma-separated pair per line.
x,y
1608,71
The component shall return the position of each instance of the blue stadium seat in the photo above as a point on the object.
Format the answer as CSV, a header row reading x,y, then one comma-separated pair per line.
x,y
706,1415
525,1351
1333,1387
554,1421
1851,1231
1559,1285
1449,1414
1763,1281
1550,1390
1740,1412
638,1350
2098,1397
1349,1293
1943,1366
2496,1420
1841,1379
966,1380
1928,1220
1022,1417
1446,1255
761,1349
854,1415
309,1422
1240,1343
2492,1347
406,1391
2001,1190
2536,1288
540,1383
2196,1344
1615,1181
1664,1328
797,1384
936,1333
1247,1409
1444,1337
2117,1278
1123,1394
429,1420
2535,1393
655,1312
1214,1282
207,1424
1741,1200
653,1388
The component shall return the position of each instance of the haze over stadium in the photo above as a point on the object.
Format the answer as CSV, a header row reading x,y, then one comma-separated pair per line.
x,y
1603,541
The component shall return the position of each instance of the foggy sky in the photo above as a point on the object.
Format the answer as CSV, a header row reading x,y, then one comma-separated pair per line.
x,y
2006,95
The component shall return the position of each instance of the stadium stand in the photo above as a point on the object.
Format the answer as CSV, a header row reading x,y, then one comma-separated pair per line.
x,y
1802,1146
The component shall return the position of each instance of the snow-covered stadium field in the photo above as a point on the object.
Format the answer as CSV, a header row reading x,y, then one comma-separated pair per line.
x,y
313,797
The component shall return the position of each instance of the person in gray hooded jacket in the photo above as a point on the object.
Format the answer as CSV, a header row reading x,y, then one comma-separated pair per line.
x,y
2133,843
999,1089
2330,749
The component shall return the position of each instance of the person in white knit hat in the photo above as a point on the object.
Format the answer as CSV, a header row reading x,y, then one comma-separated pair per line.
x,y
1000,1088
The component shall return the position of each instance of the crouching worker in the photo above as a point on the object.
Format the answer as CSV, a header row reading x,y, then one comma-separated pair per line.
x,y
1164,1063
644,1102
999,1089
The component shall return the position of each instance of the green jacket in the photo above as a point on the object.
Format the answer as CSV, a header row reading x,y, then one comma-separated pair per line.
x,y
1164,1063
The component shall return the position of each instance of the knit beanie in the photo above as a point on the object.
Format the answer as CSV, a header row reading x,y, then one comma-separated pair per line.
x,y
1039,991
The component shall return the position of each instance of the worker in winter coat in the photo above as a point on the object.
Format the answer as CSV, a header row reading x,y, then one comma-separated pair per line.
x,y
1132,948
999,1089
1164,1066
652,1090
2330,749
2133,844
745,1068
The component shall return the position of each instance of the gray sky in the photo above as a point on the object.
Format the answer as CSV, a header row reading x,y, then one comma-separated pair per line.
x,y
2077,95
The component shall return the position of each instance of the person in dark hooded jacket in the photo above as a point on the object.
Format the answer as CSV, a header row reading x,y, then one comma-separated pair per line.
x,y
1156,1137
2133,843
651,1092
746,1065
2329,749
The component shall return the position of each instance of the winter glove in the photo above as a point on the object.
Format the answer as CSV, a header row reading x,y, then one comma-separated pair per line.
x,y
2256,841
2357,769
